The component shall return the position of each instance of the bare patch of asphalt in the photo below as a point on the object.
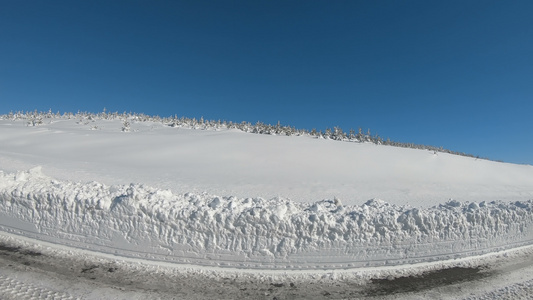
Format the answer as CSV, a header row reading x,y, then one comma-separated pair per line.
x,y
426,281
111,274
12,249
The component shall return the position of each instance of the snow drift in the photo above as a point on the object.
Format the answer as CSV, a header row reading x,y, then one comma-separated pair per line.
x,y
140,221
279,208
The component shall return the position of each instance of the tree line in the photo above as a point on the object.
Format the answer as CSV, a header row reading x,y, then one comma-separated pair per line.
x,y
36,118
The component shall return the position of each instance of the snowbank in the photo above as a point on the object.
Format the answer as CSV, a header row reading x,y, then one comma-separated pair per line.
x,y
144,222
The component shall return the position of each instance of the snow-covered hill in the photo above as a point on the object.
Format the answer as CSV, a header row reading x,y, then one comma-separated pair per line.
x,y
234,163
234,199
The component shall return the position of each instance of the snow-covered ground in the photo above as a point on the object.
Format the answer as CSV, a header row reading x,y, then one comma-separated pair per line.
x,y
231,202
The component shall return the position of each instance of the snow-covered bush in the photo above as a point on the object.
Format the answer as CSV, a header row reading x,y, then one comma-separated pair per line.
x,y
126,126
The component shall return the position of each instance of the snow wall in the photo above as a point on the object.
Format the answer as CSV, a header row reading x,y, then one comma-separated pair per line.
x,y
201,229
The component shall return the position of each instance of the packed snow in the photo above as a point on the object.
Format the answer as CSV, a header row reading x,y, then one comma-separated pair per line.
x,y
227,199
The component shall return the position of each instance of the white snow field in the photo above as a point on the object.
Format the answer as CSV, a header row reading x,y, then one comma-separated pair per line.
x,y
233,201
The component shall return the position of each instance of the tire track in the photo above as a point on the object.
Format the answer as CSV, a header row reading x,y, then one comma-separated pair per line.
x,y
12,289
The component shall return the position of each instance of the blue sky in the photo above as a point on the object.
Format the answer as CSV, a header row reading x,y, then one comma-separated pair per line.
x,y
456,74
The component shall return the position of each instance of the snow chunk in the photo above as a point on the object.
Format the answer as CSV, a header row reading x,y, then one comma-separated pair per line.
x,y
35,172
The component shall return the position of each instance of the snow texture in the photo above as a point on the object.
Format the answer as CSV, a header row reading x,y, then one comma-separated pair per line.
x,y
10,287
202,229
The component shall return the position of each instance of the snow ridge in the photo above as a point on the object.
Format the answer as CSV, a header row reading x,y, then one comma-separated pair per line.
x,y
140,221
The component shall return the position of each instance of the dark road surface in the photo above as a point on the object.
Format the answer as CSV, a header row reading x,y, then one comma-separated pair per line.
x,y
26,273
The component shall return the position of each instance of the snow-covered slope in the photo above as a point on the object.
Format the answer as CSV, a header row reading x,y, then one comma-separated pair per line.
x,y
234,199
235,163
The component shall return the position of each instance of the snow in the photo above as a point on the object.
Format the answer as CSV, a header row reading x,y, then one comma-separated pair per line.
x,y
138,221
78,274
235,201
235,163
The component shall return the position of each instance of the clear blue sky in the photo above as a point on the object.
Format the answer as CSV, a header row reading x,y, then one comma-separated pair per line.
x,y
457,74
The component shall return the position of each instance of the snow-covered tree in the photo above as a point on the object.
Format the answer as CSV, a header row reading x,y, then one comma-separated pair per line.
x,y
126,126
